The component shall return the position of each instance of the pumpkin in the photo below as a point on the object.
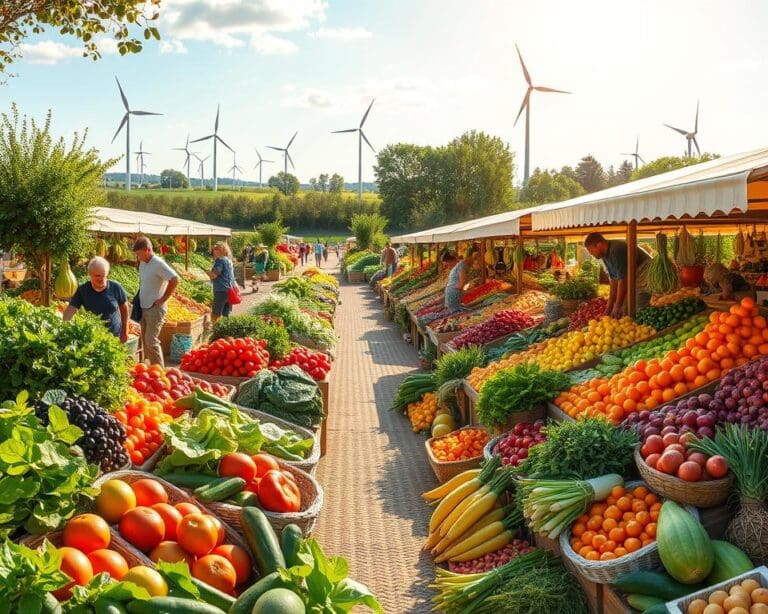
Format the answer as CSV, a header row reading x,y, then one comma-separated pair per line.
x,y
685,549
65,284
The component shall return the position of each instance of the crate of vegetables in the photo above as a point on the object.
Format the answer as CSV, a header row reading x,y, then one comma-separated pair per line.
x,y
512,447
456,452
747,592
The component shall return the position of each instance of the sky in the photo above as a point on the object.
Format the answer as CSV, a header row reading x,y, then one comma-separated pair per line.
x,y
436,68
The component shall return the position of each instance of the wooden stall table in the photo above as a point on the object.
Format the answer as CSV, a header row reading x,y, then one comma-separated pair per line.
x,y
324,386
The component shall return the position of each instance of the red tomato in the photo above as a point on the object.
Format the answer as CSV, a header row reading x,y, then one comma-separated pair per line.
x,y
264,463
237,464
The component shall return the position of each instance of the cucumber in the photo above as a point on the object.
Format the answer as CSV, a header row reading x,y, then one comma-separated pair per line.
x,y
212,595
249,597
171,605
50,605
654,584
262,540
189,480
244,498
290,541
659,608
107,606
220,489
643,602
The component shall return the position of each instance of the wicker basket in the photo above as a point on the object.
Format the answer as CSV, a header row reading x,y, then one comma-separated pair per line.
x,y
444,471
131,555
570,305
606,572
218,379
708,493
311,504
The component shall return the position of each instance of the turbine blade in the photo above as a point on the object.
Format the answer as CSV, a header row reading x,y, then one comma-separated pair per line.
x,y
540,88
270,161
290,159
683,132
368,110
216,125
276,148
204,138
340,131
257,153
525,70
637,145
526,98
365,138
120,127
258,164
144,113
122,95
695,142
639,157
291,141
696,124
179,149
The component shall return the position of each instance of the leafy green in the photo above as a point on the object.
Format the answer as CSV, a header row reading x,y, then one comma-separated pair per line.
x,y
582,449
458,364
518,389
179,579
300,325
278,341
26,575
101,590
578,288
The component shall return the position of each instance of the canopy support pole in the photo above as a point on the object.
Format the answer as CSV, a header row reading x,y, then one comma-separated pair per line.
x,y
482,259
519,266
186,254
46,281
421,255
631,268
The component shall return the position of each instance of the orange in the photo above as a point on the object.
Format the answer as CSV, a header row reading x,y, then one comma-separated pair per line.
x,y
149,579
87,532
595,523
676,373
624,504
171,517
609,524
638,505
617,491
598,541
593,555
77,566
632,544
170,552
643,517
116,498
197,534
143,527
239,558
620,551
584,551
650,529
187,508
109,561
613,512
617,535
148,492
215,570
578,529
222,532
634,528
607,556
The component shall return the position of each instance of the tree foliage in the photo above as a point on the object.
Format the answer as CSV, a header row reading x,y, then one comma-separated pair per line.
x,y
590,174
120,19
368,229
287,183
336,183
171,178
669,163
271,232
549,187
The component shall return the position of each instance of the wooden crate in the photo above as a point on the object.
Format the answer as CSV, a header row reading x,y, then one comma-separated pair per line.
x,y
272,274
324,386
355,277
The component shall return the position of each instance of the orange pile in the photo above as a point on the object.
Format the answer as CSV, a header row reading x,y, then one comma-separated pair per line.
x,y
461,445
622,524
423,412
142,420
731,339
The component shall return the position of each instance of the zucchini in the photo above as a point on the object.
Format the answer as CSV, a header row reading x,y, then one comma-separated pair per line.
x,y
262,540
290,541
189,480
659,608
654,584
171,605
220,489
249,597
212,595
108,606
643,602
50,605
244,498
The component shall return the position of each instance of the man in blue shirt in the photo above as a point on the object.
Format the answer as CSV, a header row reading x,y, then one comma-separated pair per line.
x,y
318,253
614,257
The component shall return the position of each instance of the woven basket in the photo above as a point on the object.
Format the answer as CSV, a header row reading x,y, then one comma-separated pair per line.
x,y
514,418
311,504
444,471
218,379
571,305
606,572
708,493
132,556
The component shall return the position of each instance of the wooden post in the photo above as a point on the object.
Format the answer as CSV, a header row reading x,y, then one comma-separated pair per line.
x,y
421,254
519,267
483,245
413,255
186,254
45,282
631,268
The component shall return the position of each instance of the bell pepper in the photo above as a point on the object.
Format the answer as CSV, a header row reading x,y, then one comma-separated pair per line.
x,y
278,493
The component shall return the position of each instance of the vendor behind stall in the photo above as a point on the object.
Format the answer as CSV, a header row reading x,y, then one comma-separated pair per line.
x,y
458,276
614,256
731,285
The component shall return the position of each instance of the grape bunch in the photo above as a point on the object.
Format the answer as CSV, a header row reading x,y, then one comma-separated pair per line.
x,y
103,436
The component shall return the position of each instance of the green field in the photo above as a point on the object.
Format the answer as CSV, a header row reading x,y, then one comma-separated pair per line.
x,y
254,193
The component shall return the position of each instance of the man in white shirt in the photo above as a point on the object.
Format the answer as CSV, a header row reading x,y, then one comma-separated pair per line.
x,y
157,282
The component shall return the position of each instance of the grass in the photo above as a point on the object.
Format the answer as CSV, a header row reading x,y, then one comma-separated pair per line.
x,y
312,235
254,193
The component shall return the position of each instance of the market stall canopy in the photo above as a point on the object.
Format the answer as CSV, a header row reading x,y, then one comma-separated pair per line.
x,y
730,185
120,221
427,236
291,238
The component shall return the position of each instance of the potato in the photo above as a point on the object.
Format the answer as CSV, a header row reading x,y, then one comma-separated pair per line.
x,y
738,610
697,606
749,585
737,588
718,597
714,608
737,600
758,608
759,595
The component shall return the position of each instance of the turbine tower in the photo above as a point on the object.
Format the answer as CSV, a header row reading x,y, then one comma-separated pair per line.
x,y
201,168
216,138
635,155
287,156
187,160
360,138
235,169
526,106
126,121
690,136
140,161
259,164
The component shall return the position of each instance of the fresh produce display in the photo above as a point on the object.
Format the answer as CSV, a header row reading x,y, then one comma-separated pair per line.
x,y
141,420
234,357
518,389
617,525
457,365
302,327
191,304
492,531
518,342
660,274
317,364
413,279
462,445
677,295
749,595
670,454
663,316
288,393
578,288
513,447
685,549
367,260
412,389
178,312
103,435
730,340
256,327
502,323
423,412
167,385
591,310
492,560
492,286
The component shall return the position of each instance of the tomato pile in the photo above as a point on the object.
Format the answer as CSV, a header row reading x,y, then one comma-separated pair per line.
x,y
228,356
142,420
670,454
277,489
462,445
173,533
317,364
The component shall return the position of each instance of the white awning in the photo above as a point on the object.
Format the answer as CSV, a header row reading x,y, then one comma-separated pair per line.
x,y
121,221
427,236
717,187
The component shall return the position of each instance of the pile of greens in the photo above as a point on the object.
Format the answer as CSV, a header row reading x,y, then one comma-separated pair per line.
x,y
579,288
197,443
517,342
39,352
300,325
27,576
42,482
519,389
288,393
278,341
583,449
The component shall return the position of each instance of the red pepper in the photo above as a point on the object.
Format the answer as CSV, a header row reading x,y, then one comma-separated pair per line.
x,y
277,493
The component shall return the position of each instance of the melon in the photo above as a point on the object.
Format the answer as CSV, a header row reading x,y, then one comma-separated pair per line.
x,y
685,549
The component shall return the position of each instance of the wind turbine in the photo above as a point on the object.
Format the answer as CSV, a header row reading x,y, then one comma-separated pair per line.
x,y
259,164
360,138
235,169
216,138
126,121
140,161
527,107
285,151
690,136
201,168
635,155
188,159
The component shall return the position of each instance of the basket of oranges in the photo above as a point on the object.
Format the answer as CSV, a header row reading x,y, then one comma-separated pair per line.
x,y
456,452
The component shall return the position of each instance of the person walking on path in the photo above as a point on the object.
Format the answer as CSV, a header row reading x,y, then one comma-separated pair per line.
x,y
222,276
157,282
103,297
389,259
337,251
325,251
302,254
318,253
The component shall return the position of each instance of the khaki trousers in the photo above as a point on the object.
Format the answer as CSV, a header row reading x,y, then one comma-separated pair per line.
x,y
151,322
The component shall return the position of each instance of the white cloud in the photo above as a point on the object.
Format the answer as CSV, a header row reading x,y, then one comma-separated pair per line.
x,y
172,45
267,44
342,34
52,52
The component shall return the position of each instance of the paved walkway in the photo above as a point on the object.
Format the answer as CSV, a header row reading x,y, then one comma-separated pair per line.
x,y
375,468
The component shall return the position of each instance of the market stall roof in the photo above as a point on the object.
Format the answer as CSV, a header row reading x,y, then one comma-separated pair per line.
x,y
120,221
427,236
735,184
290,238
